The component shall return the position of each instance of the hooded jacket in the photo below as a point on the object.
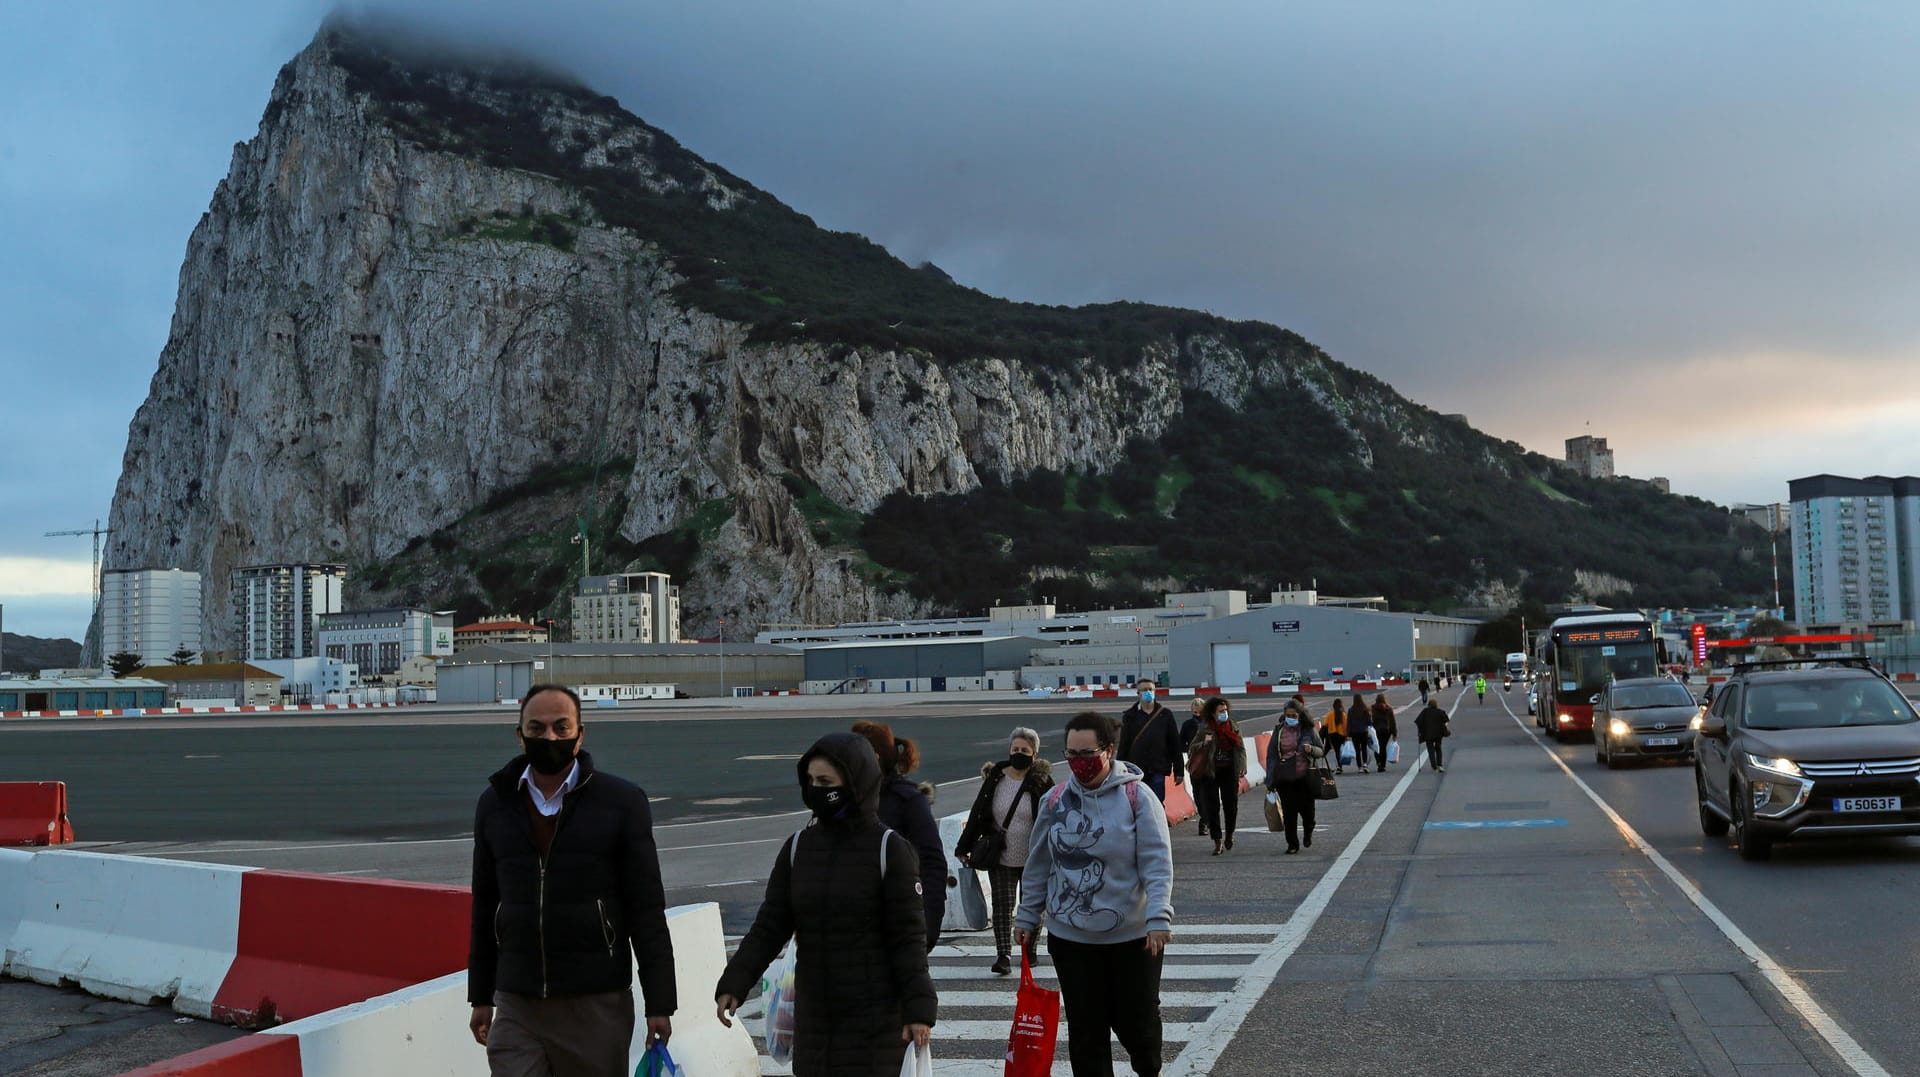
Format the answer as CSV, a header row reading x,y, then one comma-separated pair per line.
x,y
1100,868
905,809
562,923
1432,723
852,903
980,818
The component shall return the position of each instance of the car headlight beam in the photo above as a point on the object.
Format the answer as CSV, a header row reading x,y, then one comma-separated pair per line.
x,y
1619,728
1774,765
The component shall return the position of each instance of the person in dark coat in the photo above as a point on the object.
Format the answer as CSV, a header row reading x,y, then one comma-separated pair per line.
x,y
1291,756
1150,741
1007,810
1359,724
849,893
906,808
1433,726
566,881
1386,725
1188,730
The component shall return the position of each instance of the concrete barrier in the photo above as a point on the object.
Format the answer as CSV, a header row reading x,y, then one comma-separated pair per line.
x,y
310,943
700,1044
251,1056
967,906
138,930
1180,806
34,813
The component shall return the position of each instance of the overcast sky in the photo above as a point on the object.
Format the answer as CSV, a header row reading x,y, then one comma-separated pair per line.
x,y
1692,232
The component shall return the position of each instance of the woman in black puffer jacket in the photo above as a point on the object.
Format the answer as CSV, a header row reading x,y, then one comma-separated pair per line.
x,y
849,893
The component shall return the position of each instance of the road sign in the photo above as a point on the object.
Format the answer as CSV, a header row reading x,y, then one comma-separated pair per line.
x,y
1286,626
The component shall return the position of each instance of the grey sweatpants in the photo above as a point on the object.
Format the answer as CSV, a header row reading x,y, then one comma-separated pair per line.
x,y
562,1036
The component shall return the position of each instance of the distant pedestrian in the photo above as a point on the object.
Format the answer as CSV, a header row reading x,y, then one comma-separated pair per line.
x,y
1187,729
1291,756
847,890
1334,729
906,810
1150,740
1360,731
1100,875
1480,687
1217,760
999,829
1423,689
1386,726
566,883
1433,727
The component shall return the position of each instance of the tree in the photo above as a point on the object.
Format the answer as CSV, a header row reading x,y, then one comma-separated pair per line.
x,y
184,656
124,663
1765,626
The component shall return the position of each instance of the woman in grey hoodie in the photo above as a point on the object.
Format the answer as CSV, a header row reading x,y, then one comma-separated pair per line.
x,y
1100,873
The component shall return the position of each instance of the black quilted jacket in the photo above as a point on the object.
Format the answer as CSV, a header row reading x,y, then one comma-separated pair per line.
x,y
862,963
565,927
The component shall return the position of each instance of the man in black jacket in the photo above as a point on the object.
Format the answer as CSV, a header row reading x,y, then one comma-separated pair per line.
x,y
566,882
1150,740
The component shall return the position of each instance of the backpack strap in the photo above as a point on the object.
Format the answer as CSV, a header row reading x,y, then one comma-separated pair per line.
x,y
884,838
793,849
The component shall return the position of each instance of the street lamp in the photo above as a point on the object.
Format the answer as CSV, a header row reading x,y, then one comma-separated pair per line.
x,y
1139,665
723,657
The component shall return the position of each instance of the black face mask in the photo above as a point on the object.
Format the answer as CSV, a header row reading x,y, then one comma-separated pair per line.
x,y
827,801
1019,762
549,757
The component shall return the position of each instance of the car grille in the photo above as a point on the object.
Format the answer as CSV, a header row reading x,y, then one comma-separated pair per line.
x,y
1879,768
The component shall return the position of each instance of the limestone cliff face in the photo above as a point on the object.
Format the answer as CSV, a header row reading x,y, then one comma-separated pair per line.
x,y
372,336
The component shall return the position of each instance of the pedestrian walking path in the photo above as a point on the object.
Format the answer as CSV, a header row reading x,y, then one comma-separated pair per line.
x,y
1207,969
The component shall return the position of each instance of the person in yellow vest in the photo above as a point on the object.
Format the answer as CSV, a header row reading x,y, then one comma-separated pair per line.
x,y
1480,686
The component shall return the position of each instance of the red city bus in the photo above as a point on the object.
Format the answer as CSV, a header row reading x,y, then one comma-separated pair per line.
x,y
1582,654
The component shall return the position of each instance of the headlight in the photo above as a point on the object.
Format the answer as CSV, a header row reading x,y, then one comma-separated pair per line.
x,y
1773,765
1566,719
1619,728
1698,720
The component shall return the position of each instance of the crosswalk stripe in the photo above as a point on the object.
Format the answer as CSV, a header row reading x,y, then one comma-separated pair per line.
x,y
1194,949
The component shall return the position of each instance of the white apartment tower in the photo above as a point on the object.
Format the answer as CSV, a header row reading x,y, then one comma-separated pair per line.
x,y
151,612
627,607
277,608
1856,548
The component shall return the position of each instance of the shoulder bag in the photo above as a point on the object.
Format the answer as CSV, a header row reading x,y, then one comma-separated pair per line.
x,y
1200,755
988,847
1324,787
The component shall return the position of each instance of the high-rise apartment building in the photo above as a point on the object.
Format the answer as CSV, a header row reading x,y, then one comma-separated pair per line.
x,y
628,607
380,641
277,608
1856,548
151,612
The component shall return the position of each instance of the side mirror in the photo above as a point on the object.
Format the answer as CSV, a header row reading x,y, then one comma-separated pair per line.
x,y
1595,698
1714,726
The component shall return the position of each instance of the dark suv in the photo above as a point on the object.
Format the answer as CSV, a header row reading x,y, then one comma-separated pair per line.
x,y
1795,753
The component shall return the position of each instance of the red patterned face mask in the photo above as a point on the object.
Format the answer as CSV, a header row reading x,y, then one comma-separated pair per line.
x,y
1087,769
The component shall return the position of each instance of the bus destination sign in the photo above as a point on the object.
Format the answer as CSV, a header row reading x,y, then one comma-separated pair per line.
x,y
1608,635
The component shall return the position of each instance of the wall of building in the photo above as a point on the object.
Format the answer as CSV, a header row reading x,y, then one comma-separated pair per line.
x,y
1312,641
150,612
1852,558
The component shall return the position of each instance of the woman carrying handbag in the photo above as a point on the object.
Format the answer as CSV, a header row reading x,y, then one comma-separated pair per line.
x,y
1292,755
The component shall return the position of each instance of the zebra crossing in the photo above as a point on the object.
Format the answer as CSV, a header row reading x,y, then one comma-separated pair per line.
x,y
1206,966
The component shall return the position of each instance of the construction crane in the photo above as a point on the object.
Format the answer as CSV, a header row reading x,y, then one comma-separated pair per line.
x,y
92,654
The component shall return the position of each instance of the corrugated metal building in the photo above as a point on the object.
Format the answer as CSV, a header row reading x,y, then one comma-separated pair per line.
x,y
80,693
976,664
1267,645
500,671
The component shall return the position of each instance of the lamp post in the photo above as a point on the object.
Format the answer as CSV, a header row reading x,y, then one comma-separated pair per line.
x,y
723,657
1139,663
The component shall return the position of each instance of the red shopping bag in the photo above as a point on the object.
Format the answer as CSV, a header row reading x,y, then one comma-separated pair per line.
x,y
1036,1022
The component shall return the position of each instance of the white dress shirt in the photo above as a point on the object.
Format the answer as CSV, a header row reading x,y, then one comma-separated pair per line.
x,y
551,808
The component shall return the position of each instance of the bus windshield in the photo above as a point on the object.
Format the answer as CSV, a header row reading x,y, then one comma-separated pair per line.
x,y
1583,670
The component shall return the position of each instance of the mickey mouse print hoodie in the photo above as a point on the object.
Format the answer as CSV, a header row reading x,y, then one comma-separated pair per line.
x,y
1100,862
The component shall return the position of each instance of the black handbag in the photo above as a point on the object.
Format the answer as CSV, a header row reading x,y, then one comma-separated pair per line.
x,y
988,847
1324,787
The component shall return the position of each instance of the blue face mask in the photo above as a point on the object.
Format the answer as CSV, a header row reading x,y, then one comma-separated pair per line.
x,y
1291,720
1146,699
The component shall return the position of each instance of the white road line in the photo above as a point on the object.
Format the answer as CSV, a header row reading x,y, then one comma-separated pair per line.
x,y
1214,1034
1844,1045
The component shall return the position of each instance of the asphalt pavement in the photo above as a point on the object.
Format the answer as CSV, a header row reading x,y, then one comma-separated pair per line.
x,y
1495,919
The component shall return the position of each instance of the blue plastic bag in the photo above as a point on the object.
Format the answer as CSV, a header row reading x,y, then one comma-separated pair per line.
x,y
657,1063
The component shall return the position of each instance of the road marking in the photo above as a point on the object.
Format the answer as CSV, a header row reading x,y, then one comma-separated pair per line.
x,y
1213,1036
1783,981
1492,824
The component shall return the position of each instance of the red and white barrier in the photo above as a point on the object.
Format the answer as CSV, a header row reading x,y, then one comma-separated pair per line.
x,y
141,712
374,971
34,813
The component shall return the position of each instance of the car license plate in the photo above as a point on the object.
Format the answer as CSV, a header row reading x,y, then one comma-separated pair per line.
x,y
1866,803
1663,742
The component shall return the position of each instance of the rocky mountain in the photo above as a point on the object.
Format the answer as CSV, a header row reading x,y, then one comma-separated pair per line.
x,y
31,654
448,316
